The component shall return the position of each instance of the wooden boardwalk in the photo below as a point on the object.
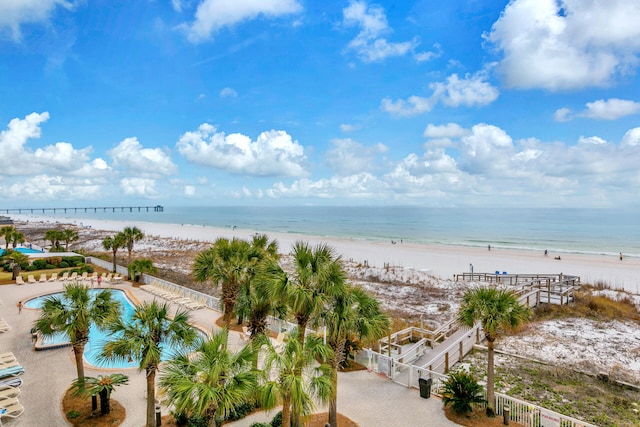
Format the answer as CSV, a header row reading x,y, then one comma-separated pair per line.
x,y
156,208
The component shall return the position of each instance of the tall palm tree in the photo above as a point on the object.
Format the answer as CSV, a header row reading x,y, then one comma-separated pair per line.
x,y
6,232
250,303
113,244
259,301
54,236
211,381
17,238
73,313
140,266
69,235
296,393
15,260
102,386
141,339
318,275
225,263
132,235
496,310
353,315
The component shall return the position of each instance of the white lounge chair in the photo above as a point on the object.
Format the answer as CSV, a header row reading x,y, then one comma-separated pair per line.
x,y
31,279
54,277
7,355
73,277
43,278
8,392
65,277
11,408
116,279
19,280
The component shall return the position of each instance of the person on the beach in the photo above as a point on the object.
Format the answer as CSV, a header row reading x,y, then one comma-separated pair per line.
x,y
19,307
489,247
99,281
620,256
545,252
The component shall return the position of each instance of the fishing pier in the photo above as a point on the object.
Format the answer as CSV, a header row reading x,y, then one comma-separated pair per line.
x,y
156,208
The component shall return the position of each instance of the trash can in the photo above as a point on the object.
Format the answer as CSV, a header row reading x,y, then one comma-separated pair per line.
x,y
425,387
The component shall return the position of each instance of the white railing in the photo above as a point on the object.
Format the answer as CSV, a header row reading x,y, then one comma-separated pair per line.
x,y
453,353
209,300
107,265
530,415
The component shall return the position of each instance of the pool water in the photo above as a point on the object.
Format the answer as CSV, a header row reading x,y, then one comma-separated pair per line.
x,y
98,337
27,250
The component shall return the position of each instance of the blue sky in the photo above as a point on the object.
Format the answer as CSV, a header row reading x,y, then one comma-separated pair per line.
x,y
293,102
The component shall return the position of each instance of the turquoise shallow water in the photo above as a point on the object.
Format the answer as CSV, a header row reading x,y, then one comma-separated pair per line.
x,y
97,336
588,231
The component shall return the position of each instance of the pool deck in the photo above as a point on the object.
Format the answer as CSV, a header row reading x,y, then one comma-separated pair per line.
x,y
367,398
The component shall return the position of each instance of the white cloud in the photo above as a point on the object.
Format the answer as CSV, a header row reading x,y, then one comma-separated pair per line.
x,y
273,153
429,55
14,13
349,157
566,44
450,130
414,105
610,109
469,91
177,5
632,138
130,156
596,140
369,44
46,187
144,187
348,128
228,92
212,15
189,190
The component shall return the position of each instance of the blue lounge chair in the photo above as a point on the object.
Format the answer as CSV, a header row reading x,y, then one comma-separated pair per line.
x,y
11,382
11,372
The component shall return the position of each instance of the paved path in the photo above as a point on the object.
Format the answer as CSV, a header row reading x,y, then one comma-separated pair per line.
x,y
366,398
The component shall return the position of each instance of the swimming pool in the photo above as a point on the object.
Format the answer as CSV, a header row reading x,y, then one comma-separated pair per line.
x,y
28,250
97,337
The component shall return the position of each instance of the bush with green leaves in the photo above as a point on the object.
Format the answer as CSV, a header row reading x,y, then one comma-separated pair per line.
x,y
462,390
260,425
277,420
240,411
39,264
63,265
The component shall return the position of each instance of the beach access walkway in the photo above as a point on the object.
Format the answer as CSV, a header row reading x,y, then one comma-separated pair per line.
x,y
369,399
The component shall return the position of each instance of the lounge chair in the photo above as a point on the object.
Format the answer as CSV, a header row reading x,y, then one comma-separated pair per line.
x,y
116,279
94,275
31,279
8,392
4,326
54,277
65,277
9,364
11,382
73,277
84,276
11,408
43,278
11,372
7,355
19,280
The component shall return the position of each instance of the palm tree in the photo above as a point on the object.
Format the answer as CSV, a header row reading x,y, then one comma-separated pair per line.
x,y
353,315
141,339
132,235
54,236
259,301
7,231
16,260
17,238
140,266
251,302
295,392
496,310
69,235
73,313
113,244
102,386
211,381
226,263
317,276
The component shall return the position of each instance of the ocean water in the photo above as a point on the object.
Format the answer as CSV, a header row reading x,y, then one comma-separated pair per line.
x,y
587,231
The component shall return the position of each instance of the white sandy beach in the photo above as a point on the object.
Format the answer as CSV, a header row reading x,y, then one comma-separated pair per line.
x,y
442,261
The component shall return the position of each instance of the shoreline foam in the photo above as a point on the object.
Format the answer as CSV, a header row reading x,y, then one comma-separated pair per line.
x,y
441,260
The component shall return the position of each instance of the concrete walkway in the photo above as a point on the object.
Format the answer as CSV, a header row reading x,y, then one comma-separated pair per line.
x,y
366,398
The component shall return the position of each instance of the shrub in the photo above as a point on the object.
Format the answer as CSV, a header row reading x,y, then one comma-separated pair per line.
x,y
55,260
24,265
63,265
277,420
260,425
50,267
73,261
181,419
240,411
462,390
195,421
31,268
39,264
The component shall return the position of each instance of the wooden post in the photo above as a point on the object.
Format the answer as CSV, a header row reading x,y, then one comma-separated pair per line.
x,y
446,362
461,351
